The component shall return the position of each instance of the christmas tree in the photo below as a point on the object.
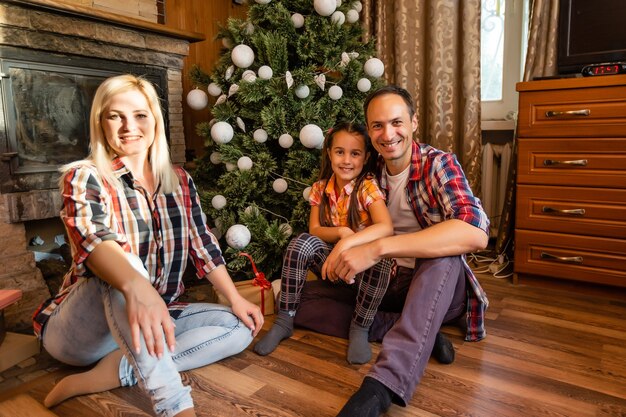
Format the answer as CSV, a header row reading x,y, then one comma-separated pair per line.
x,y
288,73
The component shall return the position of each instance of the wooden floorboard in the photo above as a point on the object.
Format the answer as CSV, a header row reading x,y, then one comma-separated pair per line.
x,y
548,353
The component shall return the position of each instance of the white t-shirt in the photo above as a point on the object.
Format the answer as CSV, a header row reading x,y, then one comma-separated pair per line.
x,y
404,220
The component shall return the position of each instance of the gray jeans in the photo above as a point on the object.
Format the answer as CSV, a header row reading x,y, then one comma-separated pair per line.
x,y
92,322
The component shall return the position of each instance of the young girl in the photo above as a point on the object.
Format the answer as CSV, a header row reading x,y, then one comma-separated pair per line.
x,y
347,209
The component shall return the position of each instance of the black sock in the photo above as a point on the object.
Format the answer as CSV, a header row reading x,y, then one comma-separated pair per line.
x,y
443,351
371,400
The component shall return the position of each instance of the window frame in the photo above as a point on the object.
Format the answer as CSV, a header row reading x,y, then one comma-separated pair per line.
x,y
514,53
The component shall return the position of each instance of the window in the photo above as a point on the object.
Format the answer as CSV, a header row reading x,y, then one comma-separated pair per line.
x,y
503,51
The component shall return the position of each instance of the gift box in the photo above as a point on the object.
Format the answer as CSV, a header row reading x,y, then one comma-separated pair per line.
x,y
257,290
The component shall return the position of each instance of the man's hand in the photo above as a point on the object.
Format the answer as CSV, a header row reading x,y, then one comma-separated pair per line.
x,y
355,260
330,265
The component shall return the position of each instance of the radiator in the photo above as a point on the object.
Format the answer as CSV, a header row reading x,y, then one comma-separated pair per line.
x,y
495,169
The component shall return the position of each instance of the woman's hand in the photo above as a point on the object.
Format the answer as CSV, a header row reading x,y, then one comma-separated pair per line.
x,y
250,314
146,310
148,316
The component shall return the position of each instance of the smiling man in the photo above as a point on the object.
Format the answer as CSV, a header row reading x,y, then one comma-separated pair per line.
x,y
437,220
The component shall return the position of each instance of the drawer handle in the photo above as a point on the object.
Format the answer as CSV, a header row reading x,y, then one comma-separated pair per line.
x,y
577,162
573,212
566,259
555,113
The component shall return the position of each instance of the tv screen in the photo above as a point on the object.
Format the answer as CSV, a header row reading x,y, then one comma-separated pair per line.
x,y
591,32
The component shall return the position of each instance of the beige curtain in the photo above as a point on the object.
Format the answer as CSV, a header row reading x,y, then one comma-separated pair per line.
x,y
541,61
432,48
542,39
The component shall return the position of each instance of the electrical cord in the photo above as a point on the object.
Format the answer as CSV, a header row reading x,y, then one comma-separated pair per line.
x,y
488,263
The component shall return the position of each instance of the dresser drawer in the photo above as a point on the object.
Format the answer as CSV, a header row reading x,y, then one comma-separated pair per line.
x,y
576,112
572,162
577,210
581,258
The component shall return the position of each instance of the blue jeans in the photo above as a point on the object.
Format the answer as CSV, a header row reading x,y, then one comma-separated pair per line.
x,y
92,322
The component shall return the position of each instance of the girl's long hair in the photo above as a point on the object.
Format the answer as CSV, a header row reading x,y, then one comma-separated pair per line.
x,y
326,172
101,154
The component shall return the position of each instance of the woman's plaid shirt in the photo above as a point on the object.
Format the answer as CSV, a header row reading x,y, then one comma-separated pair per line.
x,y
164,230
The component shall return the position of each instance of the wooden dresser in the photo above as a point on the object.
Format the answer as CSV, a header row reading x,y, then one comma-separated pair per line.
x,y
570,220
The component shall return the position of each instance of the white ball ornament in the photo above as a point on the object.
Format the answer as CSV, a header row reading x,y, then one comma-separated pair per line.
x,y
374,67
238,236
280,185
302,91
285,140
218,202
197,99
216,232
214,89
262,1
285,229
298,20
244,163
252,211
357,6
216,158
338,18
249,28
338,3
222,132
306,193
364,85
242,56
265,72
260,135
352,16
230,166
311,136
325,7
248,76
335,92
227,43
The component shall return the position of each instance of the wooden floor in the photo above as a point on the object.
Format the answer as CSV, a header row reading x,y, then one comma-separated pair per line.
x,y
548,353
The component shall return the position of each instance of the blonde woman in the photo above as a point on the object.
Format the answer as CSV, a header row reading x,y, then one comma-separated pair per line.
x,y
133,220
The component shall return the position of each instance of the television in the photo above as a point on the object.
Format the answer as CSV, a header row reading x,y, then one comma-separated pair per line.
x,y
590,32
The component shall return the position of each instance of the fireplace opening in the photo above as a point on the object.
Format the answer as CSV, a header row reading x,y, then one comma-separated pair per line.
x,y
46,113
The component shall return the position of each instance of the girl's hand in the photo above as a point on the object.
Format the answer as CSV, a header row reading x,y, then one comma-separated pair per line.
x,y
250,314
148,316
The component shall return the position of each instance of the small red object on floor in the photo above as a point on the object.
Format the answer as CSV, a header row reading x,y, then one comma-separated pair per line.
x,y
8,297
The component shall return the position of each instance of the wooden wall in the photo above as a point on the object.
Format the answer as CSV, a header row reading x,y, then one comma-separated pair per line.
x,y
204,17
138,9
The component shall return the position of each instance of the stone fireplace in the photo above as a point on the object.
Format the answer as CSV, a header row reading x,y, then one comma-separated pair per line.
x,y
52,57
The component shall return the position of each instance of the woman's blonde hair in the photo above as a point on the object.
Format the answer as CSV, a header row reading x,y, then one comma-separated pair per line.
x,y
101,154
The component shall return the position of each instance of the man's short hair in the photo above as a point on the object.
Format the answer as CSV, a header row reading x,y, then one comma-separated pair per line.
x,y
391,89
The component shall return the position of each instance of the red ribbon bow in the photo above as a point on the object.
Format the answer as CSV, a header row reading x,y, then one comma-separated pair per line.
x,y
259,280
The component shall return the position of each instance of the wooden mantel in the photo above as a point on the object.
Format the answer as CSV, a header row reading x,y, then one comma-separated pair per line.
x,y
63,7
